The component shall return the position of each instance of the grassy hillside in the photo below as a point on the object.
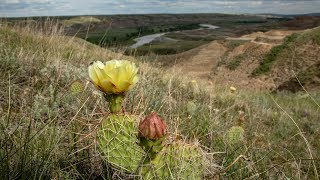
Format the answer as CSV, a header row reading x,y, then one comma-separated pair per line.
x,y
279,53
50,112
261,60
295,59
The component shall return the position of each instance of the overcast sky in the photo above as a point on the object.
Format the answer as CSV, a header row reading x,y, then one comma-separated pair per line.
x,y
11,8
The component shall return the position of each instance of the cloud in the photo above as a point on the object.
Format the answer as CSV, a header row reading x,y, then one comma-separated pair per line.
x,y
9,2
85,7
23,1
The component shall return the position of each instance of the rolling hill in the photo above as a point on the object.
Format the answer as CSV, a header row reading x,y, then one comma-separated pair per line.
x,y
269,60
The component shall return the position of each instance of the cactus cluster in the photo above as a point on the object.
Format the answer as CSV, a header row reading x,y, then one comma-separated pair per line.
x,y
235,134
139,148
176,161
191,108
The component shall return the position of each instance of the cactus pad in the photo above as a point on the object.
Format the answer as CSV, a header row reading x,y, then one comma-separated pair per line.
x,y
175,161
76,87
235,135
118,142
191,108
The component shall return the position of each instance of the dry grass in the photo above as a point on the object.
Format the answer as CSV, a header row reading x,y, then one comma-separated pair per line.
x,y
47,130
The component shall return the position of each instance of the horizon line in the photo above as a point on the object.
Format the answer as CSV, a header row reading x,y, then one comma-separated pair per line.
x,y
76,15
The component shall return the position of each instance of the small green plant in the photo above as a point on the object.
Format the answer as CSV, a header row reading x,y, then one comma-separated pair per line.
x,y
235,62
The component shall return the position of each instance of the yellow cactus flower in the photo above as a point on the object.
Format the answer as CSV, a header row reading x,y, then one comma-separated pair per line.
x,y
113,77
233,89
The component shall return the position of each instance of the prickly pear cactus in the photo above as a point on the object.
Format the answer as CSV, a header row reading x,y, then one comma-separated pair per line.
x,y
191,108
235,135
176,161
118,142
76,87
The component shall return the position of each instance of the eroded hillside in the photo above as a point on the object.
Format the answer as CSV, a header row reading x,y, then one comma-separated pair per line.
x,y
257,61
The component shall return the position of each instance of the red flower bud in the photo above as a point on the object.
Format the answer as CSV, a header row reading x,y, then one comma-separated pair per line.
x,y
152,127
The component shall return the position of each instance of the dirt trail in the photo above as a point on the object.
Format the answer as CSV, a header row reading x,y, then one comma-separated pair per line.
x,y
253,40
201,64
273,37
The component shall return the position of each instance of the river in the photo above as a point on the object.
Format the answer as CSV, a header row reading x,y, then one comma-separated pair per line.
x,y
140,41
209,26
145,39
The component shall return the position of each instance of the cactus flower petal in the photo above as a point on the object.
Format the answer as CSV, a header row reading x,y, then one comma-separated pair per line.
x,y
124,85
113,77
92,74
106,84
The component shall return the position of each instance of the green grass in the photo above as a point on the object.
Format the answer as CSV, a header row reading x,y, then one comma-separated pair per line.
x,y
235,62
231,44
48,132
274,54
311,35
112,37
189,36
165,48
